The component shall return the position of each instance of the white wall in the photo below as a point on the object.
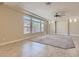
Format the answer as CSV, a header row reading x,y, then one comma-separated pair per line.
x,y
74,28
51,27
62,27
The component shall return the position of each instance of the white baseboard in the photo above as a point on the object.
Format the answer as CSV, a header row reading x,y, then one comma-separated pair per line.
x,y
60,34
74,35
5,43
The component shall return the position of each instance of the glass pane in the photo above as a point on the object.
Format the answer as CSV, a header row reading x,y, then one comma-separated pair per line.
x,y
35,25
26,30
26,24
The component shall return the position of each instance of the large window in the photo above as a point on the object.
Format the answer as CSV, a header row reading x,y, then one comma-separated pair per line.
x,y
35,25
26,24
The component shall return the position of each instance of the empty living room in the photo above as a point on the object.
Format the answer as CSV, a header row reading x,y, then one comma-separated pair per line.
x,y
39,29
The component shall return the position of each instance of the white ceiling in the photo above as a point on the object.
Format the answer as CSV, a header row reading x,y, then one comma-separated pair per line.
x,y
47,11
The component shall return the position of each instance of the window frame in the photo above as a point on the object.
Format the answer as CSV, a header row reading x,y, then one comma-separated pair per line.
x,y
37,22
32,22
29,23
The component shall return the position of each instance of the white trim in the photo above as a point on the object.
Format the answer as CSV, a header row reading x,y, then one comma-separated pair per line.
x,y
61,34
74,35
5,43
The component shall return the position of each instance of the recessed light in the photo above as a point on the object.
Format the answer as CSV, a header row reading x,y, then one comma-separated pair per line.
x,y
70,20
75,20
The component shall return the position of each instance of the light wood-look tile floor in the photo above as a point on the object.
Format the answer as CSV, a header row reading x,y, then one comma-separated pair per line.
x,y
32,49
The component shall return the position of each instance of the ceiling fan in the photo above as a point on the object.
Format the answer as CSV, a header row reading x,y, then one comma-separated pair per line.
x,y
48,3
59,14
